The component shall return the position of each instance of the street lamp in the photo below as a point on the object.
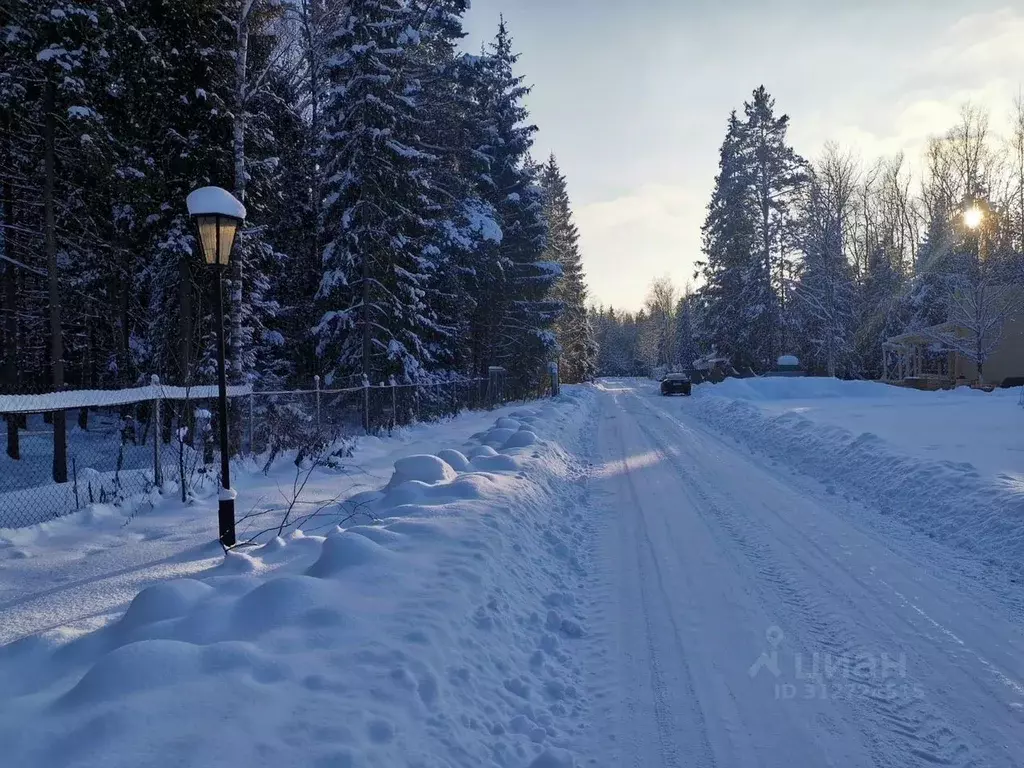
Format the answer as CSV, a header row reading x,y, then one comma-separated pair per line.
x,y
218,216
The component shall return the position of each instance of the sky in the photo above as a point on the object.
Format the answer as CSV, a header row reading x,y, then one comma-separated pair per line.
x,y
633,98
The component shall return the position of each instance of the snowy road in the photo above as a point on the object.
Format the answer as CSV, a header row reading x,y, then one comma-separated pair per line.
x,y
739,619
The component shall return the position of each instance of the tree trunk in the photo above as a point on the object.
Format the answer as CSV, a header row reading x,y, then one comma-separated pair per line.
x,y
238,136
367,337
184,321
60,448
124,323
10,295
766,245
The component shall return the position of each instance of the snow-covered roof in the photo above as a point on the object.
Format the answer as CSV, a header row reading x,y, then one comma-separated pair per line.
x,y
788,360
214,200
929,335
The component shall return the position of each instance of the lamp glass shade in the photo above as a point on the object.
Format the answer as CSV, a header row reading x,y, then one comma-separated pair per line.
x,y
217,237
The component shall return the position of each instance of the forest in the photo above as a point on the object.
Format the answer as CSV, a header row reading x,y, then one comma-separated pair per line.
x,y
827,258
399,228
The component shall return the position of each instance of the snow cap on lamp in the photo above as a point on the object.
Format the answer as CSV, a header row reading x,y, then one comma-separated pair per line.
x,y
214,200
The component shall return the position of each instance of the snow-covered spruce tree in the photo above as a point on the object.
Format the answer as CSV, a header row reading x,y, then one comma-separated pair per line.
x,y
823,311
381,204
260,89
458,132
748,237
686,347
731,292
59,153
288,214
23,269
180,110
514,315
938,263
776,176
880,308
616,341
473,233
578,349
483,274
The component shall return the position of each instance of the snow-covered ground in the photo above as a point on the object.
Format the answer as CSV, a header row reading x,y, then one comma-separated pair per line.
x,y
949,464
741,614
769,573
439,634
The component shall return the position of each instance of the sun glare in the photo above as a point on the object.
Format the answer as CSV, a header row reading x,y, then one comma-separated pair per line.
x,y
973,217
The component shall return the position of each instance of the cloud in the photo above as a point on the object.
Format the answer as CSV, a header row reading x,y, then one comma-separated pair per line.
x,y
632,239
877,84
973,60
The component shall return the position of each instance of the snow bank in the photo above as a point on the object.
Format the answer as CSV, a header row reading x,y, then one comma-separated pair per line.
x,y
939,462
424,469
440,634
799,388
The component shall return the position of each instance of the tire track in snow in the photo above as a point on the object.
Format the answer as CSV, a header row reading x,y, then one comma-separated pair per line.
x,y
665,717
920,732
798,612
679,725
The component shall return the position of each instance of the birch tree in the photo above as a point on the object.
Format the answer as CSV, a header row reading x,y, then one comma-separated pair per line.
x,y
979,308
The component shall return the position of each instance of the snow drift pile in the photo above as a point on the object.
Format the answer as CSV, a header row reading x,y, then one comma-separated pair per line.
x,y
945,463
439,632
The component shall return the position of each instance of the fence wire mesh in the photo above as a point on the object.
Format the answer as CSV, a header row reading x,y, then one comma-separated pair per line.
x,y
170,443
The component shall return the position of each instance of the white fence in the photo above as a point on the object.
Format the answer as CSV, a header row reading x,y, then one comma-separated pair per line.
x,y
128,442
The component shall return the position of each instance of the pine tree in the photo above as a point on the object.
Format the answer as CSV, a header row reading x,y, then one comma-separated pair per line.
x,y
573,329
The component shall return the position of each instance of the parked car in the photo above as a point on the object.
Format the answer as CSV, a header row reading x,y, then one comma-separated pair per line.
x,y
676,384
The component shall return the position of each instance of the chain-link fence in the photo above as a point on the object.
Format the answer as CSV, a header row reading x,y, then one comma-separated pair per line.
x,y
124,444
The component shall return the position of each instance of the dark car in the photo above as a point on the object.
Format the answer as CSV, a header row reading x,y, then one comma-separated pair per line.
x,y
675,384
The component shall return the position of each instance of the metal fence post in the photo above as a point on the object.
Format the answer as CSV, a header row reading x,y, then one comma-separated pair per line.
x,y
394,403
316,386
155,422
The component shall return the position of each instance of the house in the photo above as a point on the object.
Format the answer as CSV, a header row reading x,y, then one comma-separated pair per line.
x,y
939,357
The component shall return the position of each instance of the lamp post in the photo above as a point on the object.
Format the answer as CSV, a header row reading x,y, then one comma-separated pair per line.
x,y
218,216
